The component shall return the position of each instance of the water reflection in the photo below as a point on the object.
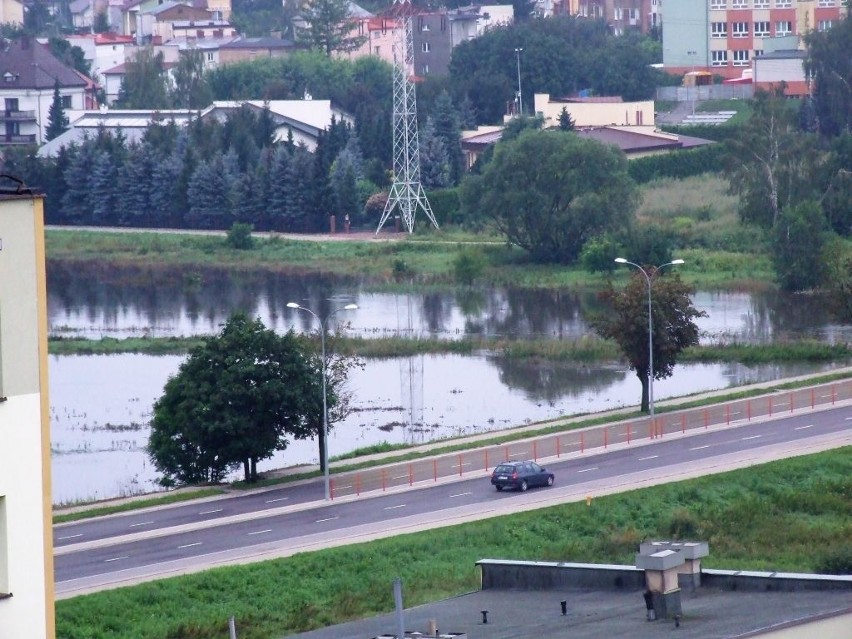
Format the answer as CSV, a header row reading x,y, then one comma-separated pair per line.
x,y
93,301
101,407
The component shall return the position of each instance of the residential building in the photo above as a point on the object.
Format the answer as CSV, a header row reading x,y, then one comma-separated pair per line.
x,y
303,119
211,49
168,13
382,34
595,111
436,33
620,15
103,50
725,36
11,12
113,78
26,531
241,49
29,75
137,17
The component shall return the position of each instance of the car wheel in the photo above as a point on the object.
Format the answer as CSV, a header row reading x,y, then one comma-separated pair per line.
x,y
524,485
550,480
499,488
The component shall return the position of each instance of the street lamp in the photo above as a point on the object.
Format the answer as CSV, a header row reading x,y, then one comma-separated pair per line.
x,y
648,279
520,98
323,322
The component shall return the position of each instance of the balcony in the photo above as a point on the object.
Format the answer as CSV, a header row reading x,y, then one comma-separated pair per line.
x,y
17,116
10,140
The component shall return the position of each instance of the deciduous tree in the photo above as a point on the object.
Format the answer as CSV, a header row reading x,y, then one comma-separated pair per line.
x,y
549,192
627,323
830,64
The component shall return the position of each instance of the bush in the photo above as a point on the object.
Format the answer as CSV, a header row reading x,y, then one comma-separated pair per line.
x,y
468,266
836,561
445,206
678,164
599,253
239,237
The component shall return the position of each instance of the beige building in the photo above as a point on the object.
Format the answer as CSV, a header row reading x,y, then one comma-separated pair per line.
x,y
26,541
595,111
11,12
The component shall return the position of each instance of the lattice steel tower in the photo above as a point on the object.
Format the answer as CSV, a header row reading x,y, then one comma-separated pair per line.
x,y
406,193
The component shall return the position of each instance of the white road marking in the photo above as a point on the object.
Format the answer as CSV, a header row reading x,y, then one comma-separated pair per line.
x,y
319,521
647,458
394,507
460,495
260,532
751,437
803,427
401,476
700,447
197,543
849,419
210,512
585,470
116,559
141,523
272,501
70,537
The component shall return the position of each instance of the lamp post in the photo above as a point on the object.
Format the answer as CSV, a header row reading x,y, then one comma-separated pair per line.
x,y
520,98
323,322
649,278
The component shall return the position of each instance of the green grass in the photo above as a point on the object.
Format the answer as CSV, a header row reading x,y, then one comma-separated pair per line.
x,y
790,515
742,107
136,504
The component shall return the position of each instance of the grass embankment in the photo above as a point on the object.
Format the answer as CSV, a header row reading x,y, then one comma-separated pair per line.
x,y
791,515
136,504
719,251
583,350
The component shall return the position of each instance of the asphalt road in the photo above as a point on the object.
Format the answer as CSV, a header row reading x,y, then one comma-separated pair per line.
x,y
119,550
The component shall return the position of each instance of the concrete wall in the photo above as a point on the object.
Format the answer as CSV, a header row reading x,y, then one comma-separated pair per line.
x,y
685,34
544,575
26,552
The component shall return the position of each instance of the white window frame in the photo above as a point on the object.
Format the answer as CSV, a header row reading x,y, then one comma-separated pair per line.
x,y
783,4
718,29
739,29
787,27
761,29
741,58
425,47
761,4
825,25
827,3
719,58
739,4
718,4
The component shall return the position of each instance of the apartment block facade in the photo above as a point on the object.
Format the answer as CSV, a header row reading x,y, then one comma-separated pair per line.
x,y
620,15
26,539
725,36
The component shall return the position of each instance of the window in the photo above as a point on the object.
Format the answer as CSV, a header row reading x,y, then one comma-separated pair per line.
x,y
758,53
718,4
761,29
824,25
783,28
377,50
719,59
739,29
761,4
4,551
783,4
210,56
741,58
66,101
11,105
425,47
617,13
425,69
718,29
827,3
739,4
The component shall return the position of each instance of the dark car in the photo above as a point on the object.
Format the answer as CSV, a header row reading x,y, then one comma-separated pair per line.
x,y
520,475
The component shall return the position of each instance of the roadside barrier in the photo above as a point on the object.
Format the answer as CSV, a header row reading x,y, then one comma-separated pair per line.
x,y
482,460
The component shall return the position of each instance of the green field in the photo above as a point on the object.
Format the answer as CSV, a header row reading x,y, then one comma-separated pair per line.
x,y
791,515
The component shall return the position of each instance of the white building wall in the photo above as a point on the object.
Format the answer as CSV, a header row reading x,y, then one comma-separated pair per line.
x,y
640,113
26,553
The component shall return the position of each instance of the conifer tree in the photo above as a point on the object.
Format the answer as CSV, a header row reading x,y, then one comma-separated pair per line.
x,y
434,162
57,121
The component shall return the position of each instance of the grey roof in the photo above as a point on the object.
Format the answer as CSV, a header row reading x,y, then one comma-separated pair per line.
x,y
708,613
79,6
259,43
26,64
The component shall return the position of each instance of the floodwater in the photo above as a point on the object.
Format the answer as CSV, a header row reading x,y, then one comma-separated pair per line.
x,y
101,405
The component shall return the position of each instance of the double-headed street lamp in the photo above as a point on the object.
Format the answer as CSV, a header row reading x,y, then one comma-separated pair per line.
x,y
520,98
649,278
323,322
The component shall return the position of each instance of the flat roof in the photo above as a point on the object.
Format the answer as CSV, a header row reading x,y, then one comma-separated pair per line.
x,y
708,613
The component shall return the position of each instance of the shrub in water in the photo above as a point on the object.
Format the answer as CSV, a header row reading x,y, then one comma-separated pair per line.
x,y
239,237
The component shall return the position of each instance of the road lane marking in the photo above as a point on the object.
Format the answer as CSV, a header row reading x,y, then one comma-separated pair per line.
x,y
210,512
849,419
141,523
585,470
106,561
394,507
647,458
752,437
272,501
700,447
460,495
260,532
70,537
803,427
197,543
405,476
319,521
